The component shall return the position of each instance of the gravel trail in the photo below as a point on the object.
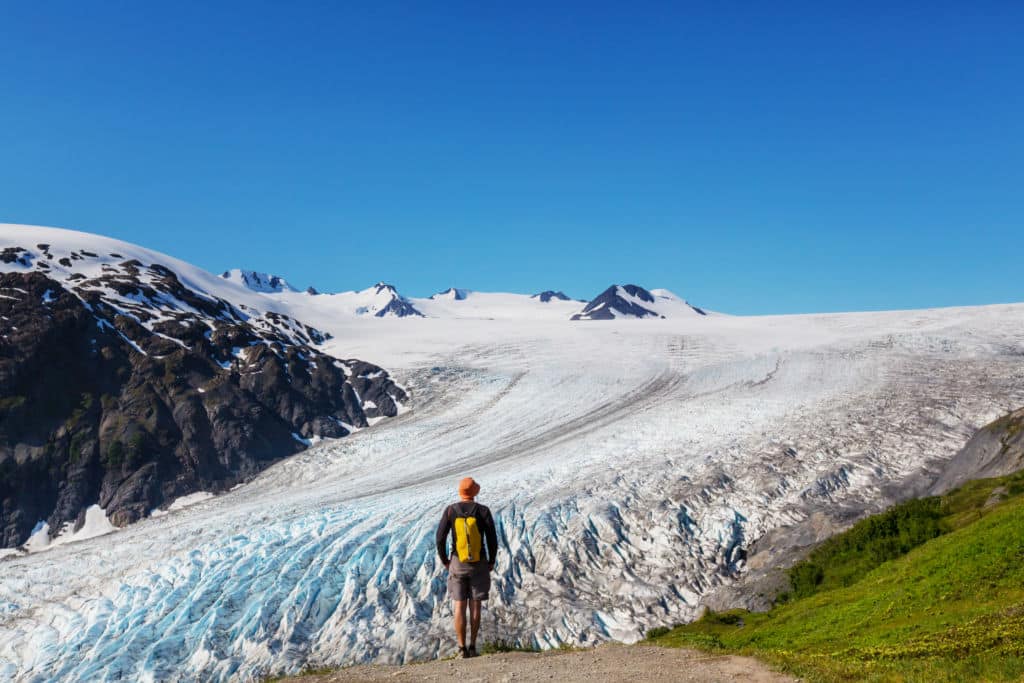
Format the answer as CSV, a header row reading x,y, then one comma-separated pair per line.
x,y
637,664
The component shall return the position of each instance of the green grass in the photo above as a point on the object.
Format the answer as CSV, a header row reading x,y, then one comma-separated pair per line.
x,y
848,557
931,590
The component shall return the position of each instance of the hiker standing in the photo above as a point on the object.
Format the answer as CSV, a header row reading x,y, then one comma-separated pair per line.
x,y
469,566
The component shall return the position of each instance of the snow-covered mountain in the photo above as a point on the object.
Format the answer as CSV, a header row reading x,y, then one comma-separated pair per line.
x,y
633,301
451,294
383,301
549,294
378,301
638,470
129,379
468,304
258,282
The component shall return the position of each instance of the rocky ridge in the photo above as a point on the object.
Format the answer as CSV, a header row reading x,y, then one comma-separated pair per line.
x,y
259,282
452,293
994,450
549,294
387,302
633,301
125,386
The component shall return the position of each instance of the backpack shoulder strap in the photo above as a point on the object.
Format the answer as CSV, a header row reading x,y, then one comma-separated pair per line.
x,y
457,509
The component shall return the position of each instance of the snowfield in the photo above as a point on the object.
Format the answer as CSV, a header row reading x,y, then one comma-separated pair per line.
x,y
630,463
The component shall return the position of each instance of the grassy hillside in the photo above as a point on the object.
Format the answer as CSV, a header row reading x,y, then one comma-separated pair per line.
x,y
932,589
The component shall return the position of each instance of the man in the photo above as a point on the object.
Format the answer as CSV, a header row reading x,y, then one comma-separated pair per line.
x,y
470,563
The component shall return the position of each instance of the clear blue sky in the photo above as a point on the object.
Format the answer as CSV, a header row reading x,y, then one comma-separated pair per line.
x,y
778,158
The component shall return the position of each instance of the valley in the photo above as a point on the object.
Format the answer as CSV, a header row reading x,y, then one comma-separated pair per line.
x,y
638,469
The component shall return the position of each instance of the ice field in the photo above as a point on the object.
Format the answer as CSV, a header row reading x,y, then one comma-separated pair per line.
x,y
630,464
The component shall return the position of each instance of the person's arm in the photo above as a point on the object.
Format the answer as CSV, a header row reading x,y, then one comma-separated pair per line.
x,y
441,537
492,539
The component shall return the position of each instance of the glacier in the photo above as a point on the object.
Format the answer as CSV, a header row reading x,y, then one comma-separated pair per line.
x,y
630,464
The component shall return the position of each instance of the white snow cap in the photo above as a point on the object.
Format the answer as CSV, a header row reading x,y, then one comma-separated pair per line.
x,y
258,282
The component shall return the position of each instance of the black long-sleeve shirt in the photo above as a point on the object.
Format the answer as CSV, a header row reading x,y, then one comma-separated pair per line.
x,y
462,509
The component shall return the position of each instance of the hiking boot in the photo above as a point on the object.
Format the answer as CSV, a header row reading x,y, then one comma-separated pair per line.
x,y
471,651
464,653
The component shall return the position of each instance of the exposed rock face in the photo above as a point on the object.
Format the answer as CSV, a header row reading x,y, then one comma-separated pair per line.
x,y
619,301
549,294
997,449
633,301
394,303
258,282
17,255
131,389
452,293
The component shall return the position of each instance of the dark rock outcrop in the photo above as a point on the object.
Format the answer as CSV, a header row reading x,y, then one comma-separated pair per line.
x,y
995,450
633,301
129,389
398,305
612,301
549,294
452,293
258,282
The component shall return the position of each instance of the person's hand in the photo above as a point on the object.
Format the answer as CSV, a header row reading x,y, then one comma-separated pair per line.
x,y
490,567
446,565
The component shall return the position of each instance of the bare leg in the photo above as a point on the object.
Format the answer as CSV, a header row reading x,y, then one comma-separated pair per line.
x,y
474,619
460,622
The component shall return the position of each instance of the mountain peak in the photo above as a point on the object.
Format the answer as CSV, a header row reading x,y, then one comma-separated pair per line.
x,y
383,301
452,293
258,282
89,316
549,294
633,301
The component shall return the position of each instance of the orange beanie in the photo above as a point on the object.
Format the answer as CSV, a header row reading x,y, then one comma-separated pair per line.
x,y
468,488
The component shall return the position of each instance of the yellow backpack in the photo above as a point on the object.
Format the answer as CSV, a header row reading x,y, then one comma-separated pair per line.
x,y
467,538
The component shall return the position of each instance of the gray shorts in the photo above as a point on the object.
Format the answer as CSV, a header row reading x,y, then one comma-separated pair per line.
x,y
467,581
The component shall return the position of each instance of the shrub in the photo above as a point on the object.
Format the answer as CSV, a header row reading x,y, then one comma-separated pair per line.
x,y
136,448
804,579
75,450
730,618
657,632
115,455
844,559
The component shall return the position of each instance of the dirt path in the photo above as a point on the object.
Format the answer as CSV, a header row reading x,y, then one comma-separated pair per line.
x,y
637,663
